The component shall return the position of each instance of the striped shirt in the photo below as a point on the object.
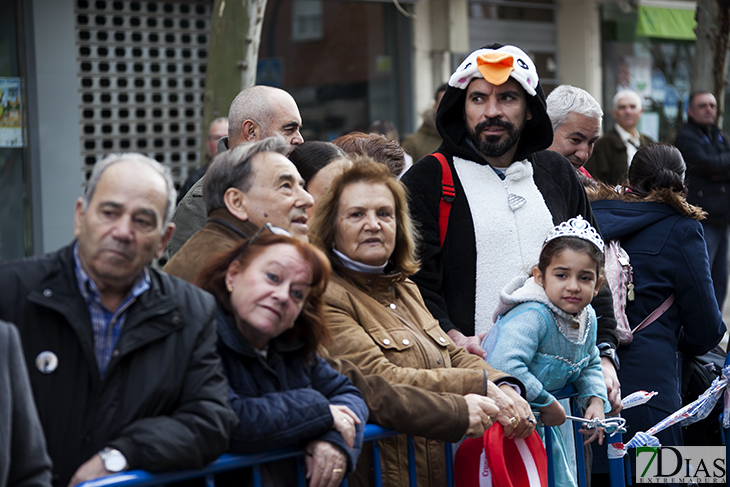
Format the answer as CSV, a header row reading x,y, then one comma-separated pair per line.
x,y
107,325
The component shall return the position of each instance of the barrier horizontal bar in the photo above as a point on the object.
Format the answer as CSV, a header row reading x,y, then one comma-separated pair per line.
x,y
224,463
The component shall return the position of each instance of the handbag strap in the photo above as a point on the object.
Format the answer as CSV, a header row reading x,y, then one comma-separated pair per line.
x,y
654,314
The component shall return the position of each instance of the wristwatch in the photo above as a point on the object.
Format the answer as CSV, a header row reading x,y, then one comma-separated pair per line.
x,y
607,350
113,459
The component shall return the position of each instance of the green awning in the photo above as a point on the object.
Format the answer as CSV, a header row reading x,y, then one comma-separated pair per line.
x,y
666,23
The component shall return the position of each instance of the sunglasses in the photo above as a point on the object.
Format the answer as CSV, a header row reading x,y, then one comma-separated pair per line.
x,y
266,226
609,425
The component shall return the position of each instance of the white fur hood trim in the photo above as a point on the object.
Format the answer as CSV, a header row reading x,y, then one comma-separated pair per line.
x,y
523,289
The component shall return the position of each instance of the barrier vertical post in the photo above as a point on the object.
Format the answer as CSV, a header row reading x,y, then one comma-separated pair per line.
x,y
580,460
549,453
301,472
412,481
257,475
377,470
615,465
448,449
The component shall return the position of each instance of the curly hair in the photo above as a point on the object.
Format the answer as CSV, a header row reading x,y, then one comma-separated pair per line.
x,y
310,326
378,147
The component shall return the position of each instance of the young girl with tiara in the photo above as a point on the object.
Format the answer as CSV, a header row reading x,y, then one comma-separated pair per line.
x,y
545,332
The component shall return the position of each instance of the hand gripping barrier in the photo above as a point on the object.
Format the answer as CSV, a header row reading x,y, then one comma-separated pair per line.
x,y
373,433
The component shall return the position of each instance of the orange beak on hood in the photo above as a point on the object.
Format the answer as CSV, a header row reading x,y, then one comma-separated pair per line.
x,y
495,66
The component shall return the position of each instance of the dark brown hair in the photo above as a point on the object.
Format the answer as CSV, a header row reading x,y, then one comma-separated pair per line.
x,y
313,155
323,225
655,167
310,325
556,246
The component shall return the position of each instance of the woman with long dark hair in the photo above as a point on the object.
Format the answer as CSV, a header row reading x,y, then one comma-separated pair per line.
x,y
663,236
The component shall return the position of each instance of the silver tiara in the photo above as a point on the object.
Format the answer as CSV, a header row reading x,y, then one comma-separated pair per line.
x,y
576,227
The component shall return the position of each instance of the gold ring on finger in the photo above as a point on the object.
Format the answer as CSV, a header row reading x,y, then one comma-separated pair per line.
x,y
336,470
513,421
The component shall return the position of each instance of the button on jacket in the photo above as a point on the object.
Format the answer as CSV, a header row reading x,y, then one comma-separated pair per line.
x,y
380,323
163,401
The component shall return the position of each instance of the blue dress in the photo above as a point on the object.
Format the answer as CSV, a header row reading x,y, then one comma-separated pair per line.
x,y
546,348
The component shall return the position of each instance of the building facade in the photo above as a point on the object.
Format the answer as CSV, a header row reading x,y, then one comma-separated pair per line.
x,y
83,78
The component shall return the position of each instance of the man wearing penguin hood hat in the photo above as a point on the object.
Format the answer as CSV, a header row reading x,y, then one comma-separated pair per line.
x,y
508,192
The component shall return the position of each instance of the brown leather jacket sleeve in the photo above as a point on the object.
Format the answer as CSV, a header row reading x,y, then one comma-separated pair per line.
x,y
408,409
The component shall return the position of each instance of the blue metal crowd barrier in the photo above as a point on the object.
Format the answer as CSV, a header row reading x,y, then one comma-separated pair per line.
x,y
616,466
726,432
373,433
227,463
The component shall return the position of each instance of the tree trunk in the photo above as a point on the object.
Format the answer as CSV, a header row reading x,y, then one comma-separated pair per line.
x,y
233,51
709,65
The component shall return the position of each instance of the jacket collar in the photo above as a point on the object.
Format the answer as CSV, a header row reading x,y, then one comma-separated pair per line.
x,y
676,201
524,289
707,130
229,336
371,284
221,217
58,291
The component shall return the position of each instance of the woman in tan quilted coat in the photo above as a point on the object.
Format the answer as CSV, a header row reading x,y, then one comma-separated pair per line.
x,y
379,321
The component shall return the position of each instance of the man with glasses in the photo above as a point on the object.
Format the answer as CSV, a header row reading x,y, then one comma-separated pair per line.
x,y
246,187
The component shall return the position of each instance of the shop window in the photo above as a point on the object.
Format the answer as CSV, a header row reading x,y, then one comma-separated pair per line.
x,y
656,64
346,63
307,20
529,11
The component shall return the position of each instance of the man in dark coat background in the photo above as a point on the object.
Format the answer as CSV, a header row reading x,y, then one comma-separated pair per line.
x,y
614,151
706,152
122,358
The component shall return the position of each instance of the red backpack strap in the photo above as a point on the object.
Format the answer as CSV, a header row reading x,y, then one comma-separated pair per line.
x,y
447,195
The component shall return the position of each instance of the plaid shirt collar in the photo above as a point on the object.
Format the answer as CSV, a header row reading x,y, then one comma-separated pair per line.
x,y
90,292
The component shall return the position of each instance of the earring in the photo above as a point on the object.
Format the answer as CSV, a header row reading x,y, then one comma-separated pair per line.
x,y
229,288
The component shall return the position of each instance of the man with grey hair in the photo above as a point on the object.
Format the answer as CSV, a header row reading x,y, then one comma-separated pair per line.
x,y
246,187
614,151
256,113
577,118
121,357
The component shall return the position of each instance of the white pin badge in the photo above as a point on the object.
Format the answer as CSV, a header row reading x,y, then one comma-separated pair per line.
x,y
46,362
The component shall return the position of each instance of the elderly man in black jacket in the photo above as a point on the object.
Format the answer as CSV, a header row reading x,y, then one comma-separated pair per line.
x,y
121,357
